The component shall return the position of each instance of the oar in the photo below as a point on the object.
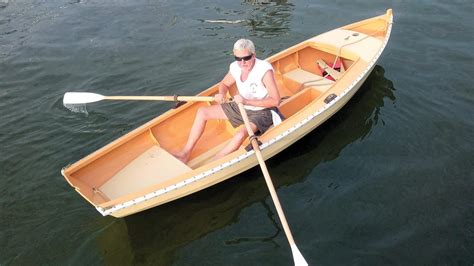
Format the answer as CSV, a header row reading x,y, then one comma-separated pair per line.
x,y
297,256
75,98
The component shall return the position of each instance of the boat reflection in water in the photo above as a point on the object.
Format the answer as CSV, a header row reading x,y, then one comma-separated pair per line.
x,y
177,224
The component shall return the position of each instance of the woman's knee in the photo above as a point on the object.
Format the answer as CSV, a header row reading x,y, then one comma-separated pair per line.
x,y
241,135
210,112
203,113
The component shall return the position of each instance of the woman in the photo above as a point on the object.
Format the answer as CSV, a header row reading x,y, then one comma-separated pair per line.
x,y
257,92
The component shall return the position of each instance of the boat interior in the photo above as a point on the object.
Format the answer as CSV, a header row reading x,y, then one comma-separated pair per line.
x,y
142,159
301,78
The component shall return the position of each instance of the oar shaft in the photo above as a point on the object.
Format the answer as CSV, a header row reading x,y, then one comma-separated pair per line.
x,y
298,258
273,193
266,174
163,98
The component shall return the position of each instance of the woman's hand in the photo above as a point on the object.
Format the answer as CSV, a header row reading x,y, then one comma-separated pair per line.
x,y
219,98
239,99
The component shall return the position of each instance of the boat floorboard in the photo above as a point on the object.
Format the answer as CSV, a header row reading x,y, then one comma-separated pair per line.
x,y
152,167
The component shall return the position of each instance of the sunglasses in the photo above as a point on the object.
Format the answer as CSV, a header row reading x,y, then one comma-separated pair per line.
x,y
244,58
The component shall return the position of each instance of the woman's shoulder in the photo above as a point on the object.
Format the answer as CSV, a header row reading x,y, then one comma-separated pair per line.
x,y
233,65
234,69
264,65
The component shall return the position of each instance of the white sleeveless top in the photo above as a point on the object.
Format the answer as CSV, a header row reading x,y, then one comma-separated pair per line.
x,y
252,88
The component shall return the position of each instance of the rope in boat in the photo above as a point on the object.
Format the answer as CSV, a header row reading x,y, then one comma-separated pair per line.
x,y
338,54
384,28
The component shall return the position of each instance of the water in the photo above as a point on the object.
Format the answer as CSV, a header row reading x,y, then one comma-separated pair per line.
x,y
387,181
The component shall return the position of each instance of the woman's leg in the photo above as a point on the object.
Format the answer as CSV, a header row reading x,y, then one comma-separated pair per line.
x,y
236,141
203,114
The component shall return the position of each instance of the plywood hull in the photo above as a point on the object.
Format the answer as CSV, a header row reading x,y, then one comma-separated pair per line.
x,y
137,172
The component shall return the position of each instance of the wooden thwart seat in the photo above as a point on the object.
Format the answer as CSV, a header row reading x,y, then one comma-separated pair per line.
x,y
308,79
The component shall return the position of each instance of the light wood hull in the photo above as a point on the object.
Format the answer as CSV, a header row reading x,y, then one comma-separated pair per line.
x,y
137,172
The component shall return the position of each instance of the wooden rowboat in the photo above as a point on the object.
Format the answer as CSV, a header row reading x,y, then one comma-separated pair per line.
x,y
315,78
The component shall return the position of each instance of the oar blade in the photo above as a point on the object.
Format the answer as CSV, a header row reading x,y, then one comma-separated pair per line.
x,y
81,98
297,256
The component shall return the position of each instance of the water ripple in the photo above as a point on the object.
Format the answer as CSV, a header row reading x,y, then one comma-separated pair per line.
x,y
388,174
